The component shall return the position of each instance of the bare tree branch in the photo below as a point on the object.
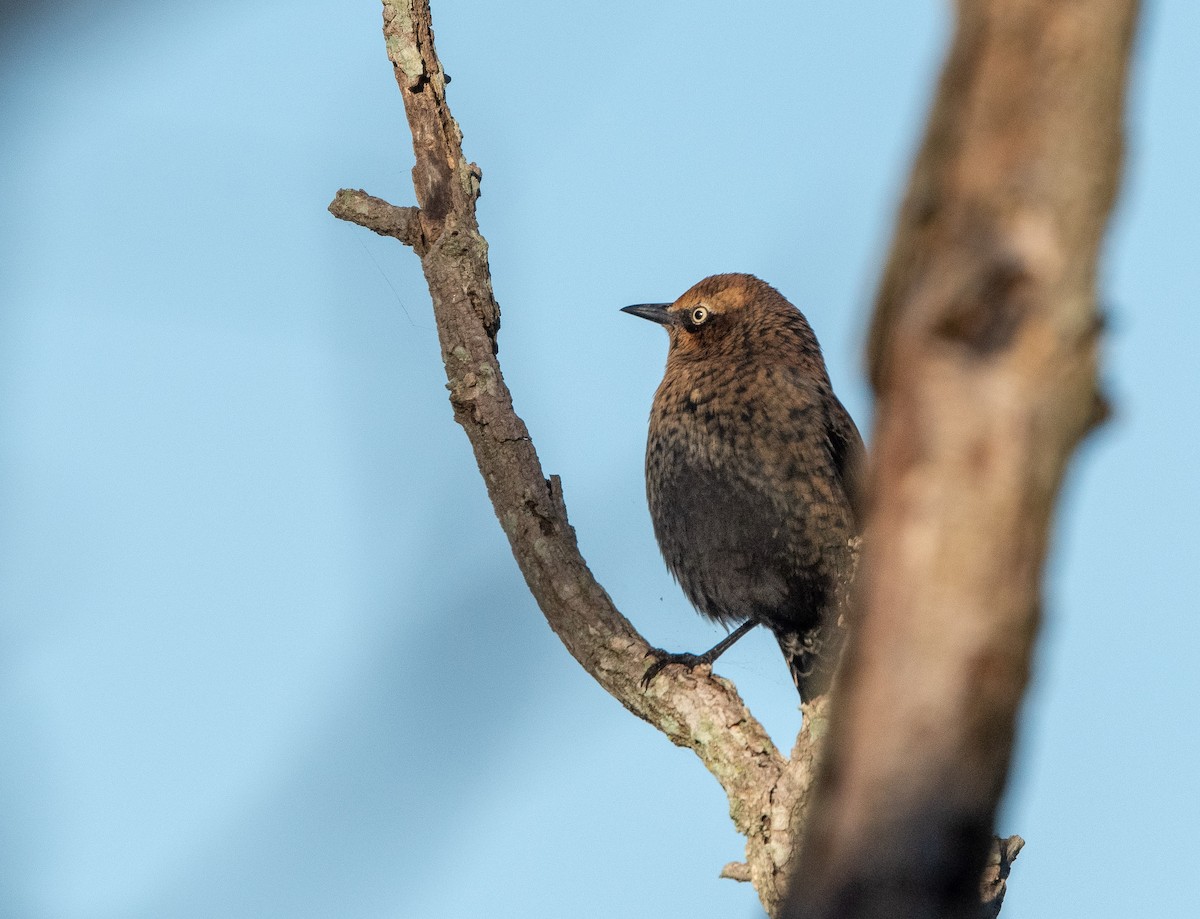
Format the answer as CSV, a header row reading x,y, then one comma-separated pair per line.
x,y
380,217
695,710
983,359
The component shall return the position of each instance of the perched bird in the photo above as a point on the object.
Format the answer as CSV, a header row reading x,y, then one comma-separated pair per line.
x,y
751,468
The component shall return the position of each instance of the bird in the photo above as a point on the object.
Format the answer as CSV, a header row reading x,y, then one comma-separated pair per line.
x,y
753,473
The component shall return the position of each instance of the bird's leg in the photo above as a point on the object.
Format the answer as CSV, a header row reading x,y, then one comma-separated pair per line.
x,y
663,658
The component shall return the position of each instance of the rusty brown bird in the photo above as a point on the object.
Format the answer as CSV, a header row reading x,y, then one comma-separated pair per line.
x,y
751,465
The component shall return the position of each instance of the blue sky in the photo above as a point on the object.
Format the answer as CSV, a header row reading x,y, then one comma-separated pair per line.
x,y
263,648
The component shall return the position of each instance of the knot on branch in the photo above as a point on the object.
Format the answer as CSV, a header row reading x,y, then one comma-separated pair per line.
x,y
988,310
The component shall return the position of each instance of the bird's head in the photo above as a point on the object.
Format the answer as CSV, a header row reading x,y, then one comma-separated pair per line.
x,y
727,314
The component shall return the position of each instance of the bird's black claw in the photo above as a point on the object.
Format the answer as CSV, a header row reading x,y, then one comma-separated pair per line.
x,y
662,659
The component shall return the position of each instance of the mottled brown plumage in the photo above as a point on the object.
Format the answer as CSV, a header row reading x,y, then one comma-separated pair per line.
x,y
750,469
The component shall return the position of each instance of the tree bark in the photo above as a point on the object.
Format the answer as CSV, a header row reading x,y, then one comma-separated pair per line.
x,y
983,357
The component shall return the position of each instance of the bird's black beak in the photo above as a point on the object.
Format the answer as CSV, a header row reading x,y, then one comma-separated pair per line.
x,y
655,312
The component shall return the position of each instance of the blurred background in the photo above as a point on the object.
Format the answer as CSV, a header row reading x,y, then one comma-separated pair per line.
x,y
263,648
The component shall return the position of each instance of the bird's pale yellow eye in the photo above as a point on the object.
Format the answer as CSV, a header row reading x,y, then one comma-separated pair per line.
x,y
699,315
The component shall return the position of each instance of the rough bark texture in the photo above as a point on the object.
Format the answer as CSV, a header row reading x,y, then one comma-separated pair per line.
x,y
697,710
983,358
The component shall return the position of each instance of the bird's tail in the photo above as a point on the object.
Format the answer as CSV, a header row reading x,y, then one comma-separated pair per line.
x,y
812,657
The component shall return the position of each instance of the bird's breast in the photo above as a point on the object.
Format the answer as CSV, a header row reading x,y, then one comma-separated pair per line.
x,y
743,496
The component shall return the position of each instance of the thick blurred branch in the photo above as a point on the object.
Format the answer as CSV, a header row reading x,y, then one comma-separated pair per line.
x,y
983,358
695,710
